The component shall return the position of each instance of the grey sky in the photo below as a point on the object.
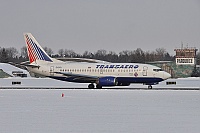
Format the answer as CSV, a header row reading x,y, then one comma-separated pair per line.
x,y
113,25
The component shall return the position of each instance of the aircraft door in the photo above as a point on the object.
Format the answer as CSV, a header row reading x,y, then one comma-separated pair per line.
x,y
51,70
144,72
101,71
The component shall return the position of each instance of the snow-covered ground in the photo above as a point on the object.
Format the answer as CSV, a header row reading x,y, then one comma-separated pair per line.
x,y
99,111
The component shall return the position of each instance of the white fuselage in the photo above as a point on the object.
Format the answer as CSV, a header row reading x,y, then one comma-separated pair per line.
x,y
101,73
101,69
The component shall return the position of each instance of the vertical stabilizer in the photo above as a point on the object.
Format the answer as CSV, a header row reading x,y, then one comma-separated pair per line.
x,y
35,51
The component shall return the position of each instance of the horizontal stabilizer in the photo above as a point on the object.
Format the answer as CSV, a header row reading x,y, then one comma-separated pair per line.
x,y
33,66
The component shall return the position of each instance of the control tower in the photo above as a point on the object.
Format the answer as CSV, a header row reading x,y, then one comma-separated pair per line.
x,y
186,56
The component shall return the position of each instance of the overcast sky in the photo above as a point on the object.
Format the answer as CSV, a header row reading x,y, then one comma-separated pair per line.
x,y
113,25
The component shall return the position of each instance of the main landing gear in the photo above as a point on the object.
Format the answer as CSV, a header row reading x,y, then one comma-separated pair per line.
x,y
150,87
98,86
91,86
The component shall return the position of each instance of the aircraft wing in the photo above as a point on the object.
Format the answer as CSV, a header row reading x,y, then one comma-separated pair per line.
x,y
79,76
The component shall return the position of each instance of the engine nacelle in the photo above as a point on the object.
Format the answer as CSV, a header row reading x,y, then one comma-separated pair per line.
x,y
107,81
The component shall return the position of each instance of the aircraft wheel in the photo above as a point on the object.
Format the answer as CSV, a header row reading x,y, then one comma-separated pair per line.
x,y
91,86
98,86
150,87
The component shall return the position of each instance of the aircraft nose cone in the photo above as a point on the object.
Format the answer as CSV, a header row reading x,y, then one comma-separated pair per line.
x,y
166,75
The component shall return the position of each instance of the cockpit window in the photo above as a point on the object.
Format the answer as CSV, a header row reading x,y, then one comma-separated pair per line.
x,y
157,70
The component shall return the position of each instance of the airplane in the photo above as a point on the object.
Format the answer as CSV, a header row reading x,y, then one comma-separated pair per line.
x,y
103,74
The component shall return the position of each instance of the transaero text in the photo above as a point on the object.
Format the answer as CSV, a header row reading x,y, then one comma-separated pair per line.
x,y
117,66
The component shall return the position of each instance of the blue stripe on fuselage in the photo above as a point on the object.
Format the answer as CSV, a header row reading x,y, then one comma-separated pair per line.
x,y
120,79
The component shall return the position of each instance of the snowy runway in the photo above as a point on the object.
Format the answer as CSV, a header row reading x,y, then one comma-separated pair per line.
x,y
99,111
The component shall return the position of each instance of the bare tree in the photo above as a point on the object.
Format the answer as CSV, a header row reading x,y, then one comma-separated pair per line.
x,y
124,56
3,56
198,58
160,52
112,57
140,56
11,52
49,51
70,53
100,54
87,54
61,52
24,53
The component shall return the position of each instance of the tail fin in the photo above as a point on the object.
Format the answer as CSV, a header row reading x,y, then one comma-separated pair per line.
x,y
35,51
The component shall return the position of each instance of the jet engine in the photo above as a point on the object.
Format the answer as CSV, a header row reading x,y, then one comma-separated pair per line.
x,y
107,81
